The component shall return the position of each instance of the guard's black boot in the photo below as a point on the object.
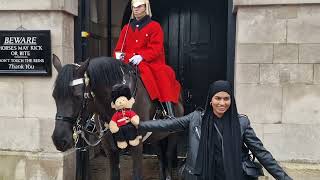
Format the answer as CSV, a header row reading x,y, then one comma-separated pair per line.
x,y
169,108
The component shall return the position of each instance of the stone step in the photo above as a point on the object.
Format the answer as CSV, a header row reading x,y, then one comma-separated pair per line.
x,y
99,169
299,171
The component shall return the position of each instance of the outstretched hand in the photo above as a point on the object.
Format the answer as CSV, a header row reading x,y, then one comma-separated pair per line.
x,y
136,59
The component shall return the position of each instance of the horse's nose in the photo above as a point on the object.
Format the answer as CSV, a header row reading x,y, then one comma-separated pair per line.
x,y
61,145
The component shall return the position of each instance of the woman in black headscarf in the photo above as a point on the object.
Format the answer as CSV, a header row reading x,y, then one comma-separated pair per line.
x,y
219,139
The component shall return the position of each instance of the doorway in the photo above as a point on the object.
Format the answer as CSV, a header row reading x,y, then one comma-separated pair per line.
x,y
195,40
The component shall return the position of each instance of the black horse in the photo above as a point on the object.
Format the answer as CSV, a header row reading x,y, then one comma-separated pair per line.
x,y
103,73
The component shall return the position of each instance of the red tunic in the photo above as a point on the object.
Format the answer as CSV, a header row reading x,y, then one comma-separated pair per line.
x,y
147,41
121,117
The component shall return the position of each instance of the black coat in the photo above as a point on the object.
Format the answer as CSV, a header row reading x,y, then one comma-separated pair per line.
x,y
192,122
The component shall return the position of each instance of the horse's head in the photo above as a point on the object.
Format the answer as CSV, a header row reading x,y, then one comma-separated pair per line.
x,y
68,94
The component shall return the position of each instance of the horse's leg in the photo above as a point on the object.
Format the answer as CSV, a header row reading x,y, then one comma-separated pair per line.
x,y
171,154
114,160
169,146
172,141
160,148
136,154
110,150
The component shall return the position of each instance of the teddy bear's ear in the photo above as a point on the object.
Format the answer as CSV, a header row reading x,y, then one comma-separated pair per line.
x,y
113,105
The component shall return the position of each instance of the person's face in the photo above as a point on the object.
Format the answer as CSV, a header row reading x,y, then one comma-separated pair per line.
x,y
220,103
139,12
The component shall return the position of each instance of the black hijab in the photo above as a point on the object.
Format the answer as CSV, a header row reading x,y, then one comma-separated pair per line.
x,y
231,138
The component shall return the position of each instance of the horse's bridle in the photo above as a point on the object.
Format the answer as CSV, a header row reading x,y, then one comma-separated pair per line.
x,y
70,120
73,120
78,127
77,122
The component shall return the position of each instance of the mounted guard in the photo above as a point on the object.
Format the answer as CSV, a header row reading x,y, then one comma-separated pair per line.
x,y
141,43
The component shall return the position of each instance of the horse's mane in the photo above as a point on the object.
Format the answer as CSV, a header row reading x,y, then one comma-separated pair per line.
x,y
62,88
106,71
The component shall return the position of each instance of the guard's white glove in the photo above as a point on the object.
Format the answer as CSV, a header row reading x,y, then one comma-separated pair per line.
x,y
136,59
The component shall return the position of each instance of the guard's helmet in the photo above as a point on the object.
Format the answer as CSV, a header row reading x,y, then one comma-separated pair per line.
x,y
136,3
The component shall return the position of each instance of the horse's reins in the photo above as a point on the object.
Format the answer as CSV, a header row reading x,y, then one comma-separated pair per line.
x,y
134,93
136,72
136,68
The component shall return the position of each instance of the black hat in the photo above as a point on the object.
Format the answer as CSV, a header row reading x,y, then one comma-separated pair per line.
x,y
219,86
119,90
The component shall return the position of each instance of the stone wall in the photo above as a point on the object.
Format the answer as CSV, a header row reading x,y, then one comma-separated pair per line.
x,y
27,108
118,10
277,78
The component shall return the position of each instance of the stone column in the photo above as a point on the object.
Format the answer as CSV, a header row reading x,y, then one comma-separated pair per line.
x,y
118,9
27,108
278,78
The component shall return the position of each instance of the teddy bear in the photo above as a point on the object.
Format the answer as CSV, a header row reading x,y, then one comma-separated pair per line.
x,y
124,121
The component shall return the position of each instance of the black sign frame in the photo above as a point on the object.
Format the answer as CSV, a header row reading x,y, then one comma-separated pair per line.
x,y
35,49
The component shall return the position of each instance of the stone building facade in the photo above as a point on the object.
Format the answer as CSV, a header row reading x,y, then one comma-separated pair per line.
x,y
277,84
27,108
277,78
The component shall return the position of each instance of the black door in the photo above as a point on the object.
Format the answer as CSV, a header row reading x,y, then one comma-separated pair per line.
x,y
195,43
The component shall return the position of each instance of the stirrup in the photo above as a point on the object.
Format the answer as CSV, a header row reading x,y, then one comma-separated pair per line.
x,y
166,115
162,111
170,109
